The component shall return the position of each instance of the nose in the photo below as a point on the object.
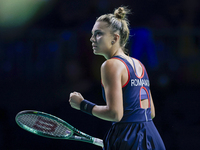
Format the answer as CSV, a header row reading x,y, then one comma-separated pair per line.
x,y
92,38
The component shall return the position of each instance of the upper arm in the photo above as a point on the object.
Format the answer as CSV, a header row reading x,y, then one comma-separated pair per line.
x,y
111,74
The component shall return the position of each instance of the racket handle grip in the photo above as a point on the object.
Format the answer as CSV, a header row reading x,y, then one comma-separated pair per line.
x,y
98,142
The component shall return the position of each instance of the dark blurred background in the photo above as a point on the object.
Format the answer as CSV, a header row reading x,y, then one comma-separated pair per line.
x,y
45,54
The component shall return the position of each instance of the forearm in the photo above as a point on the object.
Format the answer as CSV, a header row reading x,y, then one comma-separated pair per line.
x,y
103,112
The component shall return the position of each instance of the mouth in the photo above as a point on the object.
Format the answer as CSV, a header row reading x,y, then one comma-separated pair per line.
x,y
94,46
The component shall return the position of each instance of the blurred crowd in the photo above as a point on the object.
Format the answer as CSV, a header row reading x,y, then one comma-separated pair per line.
x,y
50,56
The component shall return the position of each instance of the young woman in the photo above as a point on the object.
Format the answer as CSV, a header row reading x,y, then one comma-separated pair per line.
x,y
125,86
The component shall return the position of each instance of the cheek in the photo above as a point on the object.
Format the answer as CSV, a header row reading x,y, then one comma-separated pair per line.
x,y
107,43
104,42
100,42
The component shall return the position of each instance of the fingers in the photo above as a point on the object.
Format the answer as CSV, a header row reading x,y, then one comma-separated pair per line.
x,y
72,94
75,95
75,99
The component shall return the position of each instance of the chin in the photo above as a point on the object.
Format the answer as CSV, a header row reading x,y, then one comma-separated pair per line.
x,y
96,52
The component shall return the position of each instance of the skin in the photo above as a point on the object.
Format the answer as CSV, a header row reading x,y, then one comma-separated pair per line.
x,y
113,74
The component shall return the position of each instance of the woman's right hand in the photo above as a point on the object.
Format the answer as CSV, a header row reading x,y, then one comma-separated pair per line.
x,y
75,100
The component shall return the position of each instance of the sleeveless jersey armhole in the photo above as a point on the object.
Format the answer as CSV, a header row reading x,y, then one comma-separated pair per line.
x,y
146,96
143,68
127,71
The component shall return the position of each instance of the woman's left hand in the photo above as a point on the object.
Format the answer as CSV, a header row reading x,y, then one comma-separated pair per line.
x,y
75,100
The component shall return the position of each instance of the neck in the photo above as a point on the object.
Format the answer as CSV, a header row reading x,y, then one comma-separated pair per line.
x,y
115,52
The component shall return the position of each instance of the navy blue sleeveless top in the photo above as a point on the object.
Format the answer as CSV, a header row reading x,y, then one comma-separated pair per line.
x,y
136,89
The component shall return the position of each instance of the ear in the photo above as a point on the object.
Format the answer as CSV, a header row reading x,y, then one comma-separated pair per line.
x,y
116,37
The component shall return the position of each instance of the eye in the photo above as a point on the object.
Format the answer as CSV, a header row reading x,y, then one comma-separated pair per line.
x,y
98,33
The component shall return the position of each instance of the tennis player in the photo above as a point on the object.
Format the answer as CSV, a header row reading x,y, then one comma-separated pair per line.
x,y
125,86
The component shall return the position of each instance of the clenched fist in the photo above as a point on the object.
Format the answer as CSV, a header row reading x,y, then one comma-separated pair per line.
x,y
75,100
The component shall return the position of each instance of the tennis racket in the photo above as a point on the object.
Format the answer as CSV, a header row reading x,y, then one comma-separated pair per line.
x,y
49,126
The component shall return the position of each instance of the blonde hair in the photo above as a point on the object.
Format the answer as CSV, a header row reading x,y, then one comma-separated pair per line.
x,y
119,22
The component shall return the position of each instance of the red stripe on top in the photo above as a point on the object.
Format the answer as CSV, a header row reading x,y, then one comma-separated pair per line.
x,y
102,83
127,71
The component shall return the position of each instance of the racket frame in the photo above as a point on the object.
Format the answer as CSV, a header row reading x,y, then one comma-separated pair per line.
x,y
81,135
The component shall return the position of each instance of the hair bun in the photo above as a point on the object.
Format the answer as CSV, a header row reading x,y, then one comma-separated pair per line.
x,y
121,12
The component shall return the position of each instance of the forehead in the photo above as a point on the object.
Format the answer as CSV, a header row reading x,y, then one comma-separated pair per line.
x,y
100,25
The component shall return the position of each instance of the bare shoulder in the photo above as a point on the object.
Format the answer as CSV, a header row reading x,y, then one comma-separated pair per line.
x,y
112,66
111,72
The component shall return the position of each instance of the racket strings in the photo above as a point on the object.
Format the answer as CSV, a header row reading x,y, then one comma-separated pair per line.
x,y
44,125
